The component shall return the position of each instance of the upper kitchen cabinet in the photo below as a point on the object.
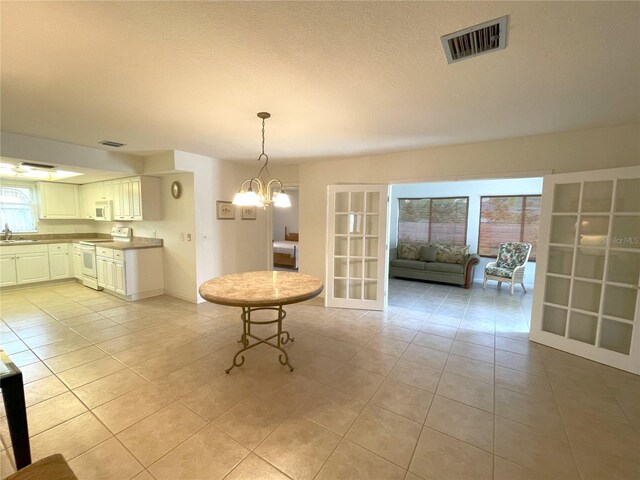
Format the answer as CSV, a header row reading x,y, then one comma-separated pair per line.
x,y
136,198
58,200
89,195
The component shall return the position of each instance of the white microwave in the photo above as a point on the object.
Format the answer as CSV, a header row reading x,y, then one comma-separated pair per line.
x,y
103,211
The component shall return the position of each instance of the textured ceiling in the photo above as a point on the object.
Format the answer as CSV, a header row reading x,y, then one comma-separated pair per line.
x,y
339,78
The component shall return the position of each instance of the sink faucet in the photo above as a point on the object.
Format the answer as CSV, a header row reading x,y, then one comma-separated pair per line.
x,y
7,233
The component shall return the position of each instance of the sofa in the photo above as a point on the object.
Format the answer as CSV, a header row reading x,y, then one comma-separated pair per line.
x,y
433,262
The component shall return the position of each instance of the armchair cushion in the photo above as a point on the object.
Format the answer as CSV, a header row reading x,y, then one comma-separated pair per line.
x,y
498,272
512,255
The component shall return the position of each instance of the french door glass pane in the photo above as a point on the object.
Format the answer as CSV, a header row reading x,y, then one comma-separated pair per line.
x,y
616,336
623,267
554,320
342,202
586,296
341,246
593,230
620,301
560,260
370,290
563,229
596,196
355,289
357,202
583,327
557,291
355,268
342,224
566,197
370,268
340,267
356,246
590,263
627,197
371,247
340,288
625,232
373,201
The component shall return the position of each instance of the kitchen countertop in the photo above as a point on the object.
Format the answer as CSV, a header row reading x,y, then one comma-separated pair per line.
x,y
127,245
134,245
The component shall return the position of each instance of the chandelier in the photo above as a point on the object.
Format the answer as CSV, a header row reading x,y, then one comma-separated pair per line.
x,y
261,190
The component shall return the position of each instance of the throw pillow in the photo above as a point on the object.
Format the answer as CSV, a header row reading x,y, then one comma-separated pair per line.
x,y
428,254
452,253
408,252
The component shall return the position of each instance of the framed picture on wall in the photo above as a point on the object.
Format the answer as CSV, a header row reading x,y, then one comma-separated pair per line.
x,y
249,212
225,210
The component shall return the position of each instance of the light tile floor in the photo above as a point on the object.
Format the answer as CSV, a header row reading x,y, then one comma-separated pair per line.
x,y
442,385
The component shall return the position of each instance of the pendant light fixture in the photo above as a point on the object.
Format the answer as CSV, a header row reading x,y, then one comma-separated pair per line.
x,y
262,190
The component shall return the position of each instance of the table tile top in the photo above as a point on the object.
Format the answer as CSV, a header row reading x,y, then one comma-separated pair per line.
x,y
264,288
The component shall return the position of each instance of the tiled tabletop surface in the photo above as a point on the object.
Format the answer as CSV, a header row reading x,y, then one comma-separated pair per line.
x,y
261,288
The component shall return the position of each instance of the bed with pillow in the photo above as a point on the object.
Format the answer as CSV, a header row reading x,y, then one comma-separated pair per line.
x,y
285,252
433,262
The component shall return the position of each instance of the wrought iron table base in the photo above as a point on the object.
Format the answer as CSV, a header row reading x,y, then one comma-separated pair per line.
x,y
282,336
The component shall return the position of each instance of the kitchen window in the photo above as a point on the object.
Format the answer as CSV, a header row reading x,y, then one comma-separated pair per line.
x,y
438,220
18,207
513,218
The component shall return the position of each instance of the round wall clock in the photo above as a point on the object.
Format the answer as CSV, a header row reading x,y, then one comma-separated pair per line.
x,y
176,189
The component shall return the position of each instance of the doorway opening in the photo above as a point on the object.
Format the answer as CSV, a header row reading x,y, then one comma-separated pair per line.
x,y
474,217
285,235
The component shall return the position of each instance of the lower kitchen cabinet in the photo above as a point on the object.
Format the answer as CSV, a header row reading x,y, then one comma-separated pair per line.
x,y
8,274
32,267
131,274
59,261
77,261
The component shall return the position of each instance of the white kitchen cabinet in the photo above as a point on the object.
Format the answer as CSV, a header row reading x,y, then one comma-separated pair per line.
x,y
119,277
89,195
8,274
136,198
131,274
32,267
58,200
77,261
59,261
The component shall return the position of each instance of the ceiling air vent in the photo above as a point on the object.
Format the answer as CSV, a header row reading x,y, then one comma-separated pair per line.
x,y
110,143
474,41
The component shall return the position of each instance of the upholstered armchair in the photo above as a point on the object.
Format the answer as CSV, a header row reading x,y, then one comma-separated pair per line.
x,y
509,266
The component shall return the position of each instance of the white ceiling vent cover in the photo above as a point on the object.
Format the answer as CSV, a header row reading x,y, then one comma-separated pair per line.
x,y
476,40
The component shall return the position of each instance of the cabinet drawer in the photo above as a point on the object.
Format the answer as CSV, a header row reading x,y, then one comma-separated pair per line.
x,y
58,247
77,247
28,249
118,254
104,252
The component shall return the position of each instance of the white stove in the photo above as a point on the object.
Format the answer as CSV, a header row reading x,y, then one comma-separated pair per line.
x,y
88,249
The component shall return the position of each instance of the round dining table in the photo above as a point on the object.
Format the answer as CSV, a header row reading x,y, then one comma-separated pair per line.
x,y
263,290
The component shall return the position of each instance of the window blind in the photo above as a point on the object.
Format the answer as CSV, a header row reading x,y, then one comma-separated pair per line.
x,y
438,220
503,219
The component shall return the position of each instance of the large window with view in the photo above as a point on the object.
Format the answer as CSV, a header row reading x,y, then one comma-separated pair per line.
x,y
17,207
513,218
433,220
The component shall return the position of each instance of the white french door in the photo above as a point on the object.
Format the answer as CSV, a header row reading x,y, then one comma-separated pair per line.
x,y
357,253
588,266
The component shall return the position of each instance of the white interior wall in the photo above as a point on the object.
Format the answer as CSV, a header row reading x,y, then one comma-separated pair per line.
x,y
513,158
474,189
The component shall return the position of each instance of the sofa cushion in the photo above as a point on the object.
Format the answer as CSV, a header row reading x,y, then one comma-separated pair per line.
x,y
408,252
498,272
428,254
452,253
413,264
444,267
